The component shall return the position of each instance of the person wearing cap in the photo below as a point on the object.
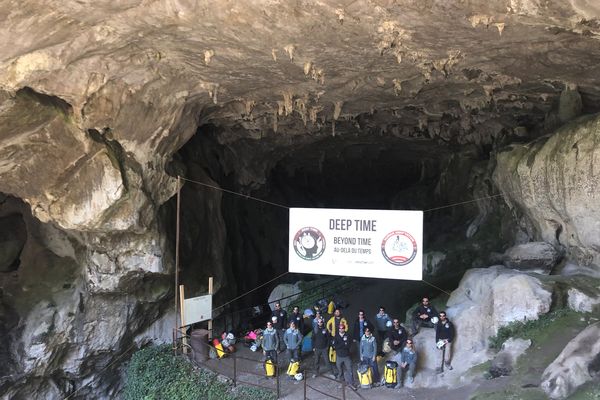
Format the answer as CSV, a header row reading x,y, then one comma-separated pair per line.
x,y
270,342
280,324
382,324
423,315
293,341
335,321
408,362
397,336
342,344
444,335
320,344
368,353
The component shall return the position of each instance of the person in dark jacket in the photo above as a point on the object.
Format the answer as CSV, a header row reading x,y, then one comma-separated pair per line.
x,y
359,326
444,336
280,323
342,344
320,343
298,319
423,315
397,336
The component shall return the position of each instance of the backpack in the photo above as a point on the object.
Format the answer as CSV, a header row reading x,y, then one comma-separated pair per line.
x,y
364,375
293,368
390,374
332,355
269,368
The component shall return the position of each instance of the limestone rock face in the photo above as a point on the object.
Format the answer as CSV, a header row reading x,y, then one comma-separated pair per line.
x,y
554,184
576,364
537,256
484,301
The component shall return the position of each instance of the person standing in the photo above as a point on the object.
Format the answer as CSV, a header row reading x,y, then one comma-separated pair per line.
x,y
368,354
408,362
320,343
280,324
293,342
423,315
359,326
444,335
318,316
335,321
382,323
342,344
270,342
298,319
397,336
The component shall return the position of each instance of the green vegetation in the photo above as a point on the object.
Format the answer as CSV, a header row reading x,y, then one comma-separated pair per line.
x,y
156,373
588,391
533,329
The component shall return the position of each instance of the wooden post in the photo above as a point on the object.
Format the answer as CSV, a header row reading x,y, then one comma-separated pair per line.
x,y
210,321
305,378
277,374
182,310
343,389
177,248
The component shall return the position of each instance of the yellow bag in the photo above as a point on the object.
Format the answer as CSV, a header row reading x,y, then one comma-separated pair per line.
x,y
330,307
219,348
332,355
364,376
269,368
293,368
390,374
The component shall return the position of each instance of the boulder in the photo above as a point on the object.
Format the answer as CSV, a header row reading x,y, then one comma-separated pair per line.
x,y
578,363
580,301
286,291
485,301
505,360
537,256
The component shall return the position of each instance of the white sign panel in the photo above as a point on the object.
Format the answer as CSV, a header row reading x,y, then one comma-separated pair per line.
x,y
197,309
369,243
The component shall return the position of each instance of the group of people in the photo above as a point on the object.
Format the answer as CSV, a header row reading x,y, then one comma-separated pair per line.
x,y
333,344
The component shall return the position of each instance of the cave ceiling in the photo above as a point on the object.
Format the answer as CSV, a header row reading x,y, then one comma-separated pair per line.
x,y
135,79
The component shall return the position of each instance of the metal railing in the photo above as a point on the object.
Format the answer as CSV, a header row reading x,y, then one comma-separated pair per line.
x,y
232,367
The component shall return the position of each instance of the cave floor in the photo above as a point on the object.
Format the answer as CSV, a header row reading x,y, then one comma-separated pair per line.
x,y
523,385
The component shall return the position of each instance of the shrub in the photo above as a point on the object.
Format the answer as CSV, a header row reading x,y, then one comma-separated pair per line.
x,y
526,329
156,373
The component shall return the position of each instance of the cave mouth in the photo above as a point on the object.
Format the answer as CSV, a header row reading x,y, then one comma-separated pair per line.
x,y
242,239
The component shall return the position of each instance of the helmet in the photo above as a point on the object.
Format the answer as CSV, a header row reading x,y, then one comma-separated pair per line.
x,y
254,347
434,320
230,336
274,318
440,344
299,376
388,324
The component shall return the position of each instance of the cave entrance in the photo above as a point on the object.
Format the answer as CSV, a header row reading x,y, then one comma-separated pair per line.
x,y
243,242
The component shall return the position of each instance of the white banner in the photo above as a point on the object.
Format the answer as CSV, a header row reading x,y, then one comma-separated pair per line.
x,y
369,243
197,309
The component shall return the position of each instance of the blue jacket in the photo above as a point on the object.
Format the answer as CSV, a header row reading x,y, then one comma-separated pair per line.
x,y
368,347
292,338
381,321
409,356
270,339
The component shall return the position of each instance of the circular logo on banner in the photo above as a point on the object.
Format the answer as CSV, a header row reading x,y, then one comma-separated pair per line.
x,y
309,243
399,248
